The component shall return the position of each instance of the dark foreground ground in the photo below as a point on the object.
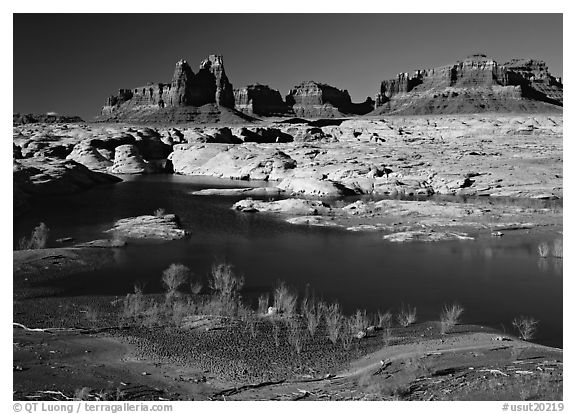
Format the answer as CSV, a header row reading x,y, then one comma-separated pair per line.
x,y
89,352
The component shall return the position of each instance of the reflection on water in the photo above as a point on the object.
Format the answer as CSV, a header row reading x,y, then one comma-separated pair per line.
x,y
494,279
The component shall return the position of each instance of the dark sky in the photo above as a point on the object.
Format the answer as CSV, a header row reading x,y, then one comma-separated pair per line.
x,y
70,63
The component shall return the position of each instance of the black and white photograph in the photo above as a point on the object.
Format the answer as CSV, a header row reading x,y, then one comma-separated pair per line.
x,y
286,206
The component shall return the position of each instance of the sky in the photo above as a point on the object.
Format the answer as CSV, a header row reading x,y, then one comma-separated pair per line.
x,y
70,63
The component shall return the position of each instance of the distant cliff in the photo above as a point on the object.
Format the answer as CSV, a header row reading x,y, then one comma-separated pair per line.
x,y
475,84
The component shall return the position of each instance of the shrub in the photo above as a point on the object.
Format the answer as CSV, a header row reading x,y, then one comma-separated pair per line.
x,y
263,301
160,212
133,305
38,239
312,312
224,282
285,300
295,335
449,317
385,323
175,276
359,322
526,327
406,316
384,319
543,250
333,318
347,333
196,287
276,332
557,248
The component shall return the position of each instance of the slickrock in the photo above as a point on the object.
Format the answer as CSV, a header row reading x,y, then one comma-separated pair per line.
x,y
166,227
127,160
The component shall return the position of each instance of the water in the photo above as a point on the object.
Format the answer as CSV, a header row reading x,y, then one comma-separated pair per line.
x,y
494,279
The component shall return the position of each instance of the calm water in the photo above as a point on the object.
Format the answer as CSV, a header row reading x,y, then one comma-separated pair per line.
x,y
493,279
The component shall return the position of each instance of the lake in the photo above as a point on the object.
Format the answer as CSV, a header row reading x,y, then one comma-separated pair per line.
x,y
494,279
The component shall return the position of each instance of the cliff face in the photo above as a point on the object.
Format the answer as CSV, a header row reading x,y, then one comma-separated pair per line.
x,y
174,100
475,84
314,99
260,100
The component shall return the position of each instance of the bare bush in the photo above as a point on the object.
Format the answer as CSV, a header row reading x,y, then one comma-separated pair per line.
x,y
526,327
406,316
263,301
347,333
295,335
196,287
557,248
384,319
38,239
276,332
333,317
385,323
134,305
174,277
312,312
225,282
285,300
450,317
359,322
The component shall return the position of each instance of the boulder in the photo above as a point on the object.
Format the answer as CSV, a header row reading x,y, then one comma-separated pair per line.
x,y
85,154
314,187
127,160
292,206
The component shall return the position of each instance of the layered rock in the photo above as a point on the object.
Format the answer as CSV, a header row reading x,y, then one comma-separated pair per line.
x,y
85,154
475,84
260,100
127,160
49,118
39,176
174,101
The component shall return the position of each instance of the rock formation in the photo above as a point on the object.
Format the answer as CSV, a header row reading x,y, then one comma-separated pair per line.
x,y
49,118
127,160
177,101
475,84
314,99
260,100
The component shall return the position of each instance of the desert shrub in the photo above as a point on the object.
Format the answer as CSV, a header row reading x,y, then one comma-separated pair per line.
x,y
526,327
263,301
295,335
196,287
557,248
312,312
333,317
276,332
285,300
384,319
152,316
543,250
406,316
134,305
38,239
346,333
174,277
449,317
359,322
385,323
139,287
224,282
160,212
